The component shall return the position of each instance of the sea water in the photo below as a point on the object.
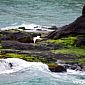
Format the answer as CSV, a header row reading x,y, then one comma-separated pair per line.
x,y
36,73
39,12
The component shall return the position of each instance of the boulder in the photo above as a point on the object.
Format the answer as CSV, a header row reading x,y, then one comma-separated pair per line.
x,y
56,68
20,36
17,36
75,28
22,28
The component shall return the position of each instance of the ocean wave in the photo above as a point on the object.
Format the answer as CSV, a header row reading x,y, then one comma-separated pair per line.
x,y
28,27
11,65
15,66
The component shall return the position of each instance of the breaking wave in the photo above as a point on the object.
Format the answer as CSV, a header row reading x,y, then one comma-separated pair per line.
x,y
22,72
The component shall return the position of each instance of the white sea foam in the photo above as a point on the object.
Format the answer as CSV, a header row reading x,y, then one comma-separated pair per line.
x,y
28,27
19,64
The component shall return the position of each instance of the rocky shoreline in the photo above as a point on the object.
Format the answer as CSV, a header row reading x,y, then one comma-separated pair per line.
x,y
61,44
41,49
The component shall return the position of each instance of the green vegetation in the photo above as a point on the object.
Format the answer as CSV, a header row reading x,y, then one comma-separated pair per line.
x,y
69,47
0,47
75,50
1,34
51,65
22,56
79,54
69,41
81,61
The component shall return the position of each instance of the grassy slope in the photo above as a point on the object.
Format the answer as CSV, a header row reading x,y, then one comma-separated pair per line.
x,y
69,47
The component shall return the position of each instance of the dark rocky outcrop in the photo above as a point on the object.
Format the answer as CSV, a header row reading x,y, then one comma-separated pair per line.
x,y
29,46
23,37
75,28
23,28
53,28
17,36
57,68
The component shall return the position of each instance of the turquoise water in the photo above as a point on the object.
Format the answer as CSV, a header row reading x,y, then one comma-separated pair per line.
x,y
41,78
36,73
40,12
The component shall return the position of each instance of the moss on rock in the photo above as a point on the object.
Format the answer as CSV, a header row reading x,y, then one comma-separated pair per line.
x,y
68,42
23,56
56,68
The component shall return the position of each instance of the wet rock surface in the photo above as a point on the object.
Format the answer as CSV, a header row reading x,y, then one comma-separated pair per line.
x,y
57,68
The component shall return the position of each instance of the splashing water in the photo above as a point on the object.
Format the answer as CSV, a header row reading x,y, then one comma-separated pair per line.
x,y
11,65
21,72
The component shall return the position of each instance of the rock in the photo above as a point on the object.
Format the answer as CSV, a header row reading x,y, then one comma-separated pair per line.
x,y
17,36
83,68
48,46
56,68
23,37
22,28
75,28
83,11
9,51
11,65
17,45
78,68
73,66
53,28
80,41
4,38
